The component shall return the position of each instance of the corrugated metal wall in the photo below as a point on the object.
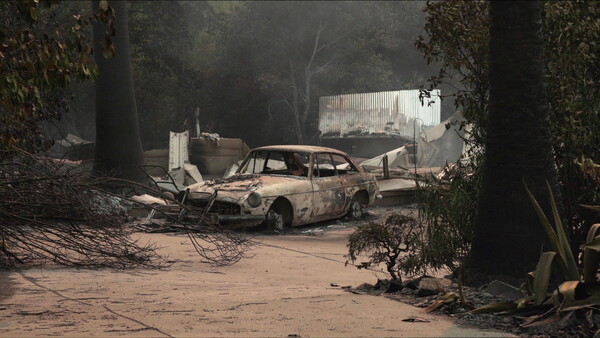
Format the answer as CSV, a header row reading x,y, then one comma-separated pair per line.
x,y
393,113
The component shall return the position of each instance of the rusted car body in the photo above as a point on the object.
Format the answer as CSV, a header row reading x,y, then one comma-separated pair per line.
x,y
288,186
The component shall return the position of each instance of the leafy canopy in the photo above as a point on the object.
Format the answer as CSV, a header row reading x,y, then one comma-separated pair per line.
x,y
39,56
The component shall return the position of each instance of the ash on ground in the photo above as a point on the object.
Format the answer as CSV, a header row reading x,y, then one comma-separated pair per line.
x,y
373,214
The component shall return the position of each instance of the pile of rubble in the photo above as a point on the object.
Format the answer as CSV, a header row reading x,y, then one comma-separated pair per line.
x,y
442,295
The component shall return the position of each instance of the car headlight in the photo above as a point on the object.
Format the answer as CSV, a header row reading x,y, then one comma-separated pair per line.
x,y
254,199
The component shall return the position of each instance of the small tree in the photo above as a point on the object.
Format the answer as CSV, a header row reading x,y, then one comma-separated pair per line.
x,y
385,243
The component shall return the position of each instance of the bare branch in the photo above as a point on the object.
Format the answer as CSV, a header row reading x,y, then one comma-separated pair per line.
x,y
332,42
55,213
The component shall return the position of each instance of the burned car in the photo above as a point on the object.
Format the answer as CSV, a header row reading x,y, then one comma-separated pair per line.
x,y
282,186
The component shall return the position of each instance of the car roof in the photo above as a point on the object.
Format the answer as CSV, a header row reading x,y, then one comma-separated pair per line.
x,y
301,149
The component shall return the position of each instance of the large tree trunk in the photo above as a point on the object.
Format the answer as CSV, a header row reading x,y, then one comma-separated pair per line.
x,y
508,235
118,145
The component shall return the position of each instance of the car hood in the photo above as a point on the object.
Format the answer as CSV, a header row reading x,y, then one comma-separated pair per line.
x,y
237,186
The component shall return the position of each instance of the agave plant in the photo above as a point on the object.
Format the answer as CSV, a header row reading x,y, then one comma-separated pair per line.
x,y
575,292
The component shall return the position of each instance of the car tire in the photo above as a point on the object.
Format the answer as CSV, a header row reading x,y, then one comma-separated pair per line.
x,y
275,220
355,210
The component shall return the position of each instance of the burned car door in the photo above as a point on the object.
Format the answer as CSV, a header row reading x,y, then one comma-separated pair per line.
x,y
352,179
285,187
329,191
299,191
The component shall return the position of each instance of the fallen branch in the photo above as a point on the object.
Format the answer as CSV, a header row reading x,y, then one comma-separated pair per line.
x,y
55,213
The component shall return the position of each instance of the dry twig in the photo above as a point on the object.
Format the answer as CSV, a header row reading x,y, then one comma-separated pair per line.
x,y
52,212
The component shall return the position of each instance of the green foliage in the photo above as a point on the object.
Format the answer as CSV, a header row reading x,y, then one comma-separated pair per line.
x,y
252,68
167,85
179,63
574,292
291,53
572,50
456,37
446,207
39,57
391,242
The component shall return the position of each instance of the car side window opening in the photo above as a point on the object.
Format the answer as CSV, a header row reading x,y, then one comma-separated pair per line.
x,y
342,165
323,166
296,163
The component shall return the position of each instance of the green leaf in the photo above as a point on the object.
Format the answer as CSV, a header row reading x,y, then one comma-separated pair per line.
x,y
33,13
591,207
549,230
20,94
591,254
594,244
109,48
543,271
573,273
529,282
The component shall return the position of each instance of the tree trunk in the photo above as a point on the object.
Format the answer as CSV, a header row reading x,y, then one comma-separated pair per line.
x,y
118,145
508,235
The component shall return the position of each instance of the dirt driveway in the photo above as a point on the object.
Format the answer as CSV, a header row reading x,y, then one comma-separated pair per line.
x,y
285,289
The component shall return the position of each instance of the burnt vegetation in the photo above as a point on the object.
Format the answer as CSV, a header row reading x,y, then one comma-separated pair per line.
x,y
53,213
57,213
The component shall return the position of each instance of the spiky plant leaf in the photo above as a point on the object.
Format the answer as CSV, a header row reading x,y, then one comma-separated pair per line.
x,y
549,230
567,253
529,282
594,244
552,237
591,254
591,207
542,275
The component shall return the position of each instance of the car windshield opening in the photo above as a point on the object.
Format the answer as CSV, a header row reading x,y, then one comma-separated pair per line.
x,y
276,163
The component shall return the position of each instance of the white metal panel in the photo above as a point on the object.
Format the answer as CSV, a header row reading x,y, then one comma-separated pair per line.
x,y
178,149
392,112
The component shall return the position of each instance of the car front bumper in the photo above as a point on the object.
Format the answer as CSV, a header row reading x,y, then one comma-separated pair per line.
x,y
240,218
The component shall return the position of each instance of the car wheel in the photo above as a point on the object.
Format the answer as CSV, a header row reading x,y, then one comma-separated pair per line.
x,y
356,208
275,220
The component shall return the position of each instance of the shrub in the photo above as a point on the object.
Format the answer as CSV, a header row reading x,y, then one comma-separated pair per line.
x,y
385,243
447,210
